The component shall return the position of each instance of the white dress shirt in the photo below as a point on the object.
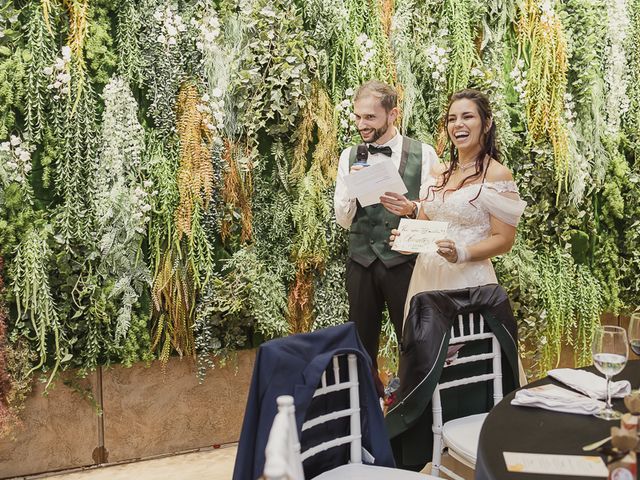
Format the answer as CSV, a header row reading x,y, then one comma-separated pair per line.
x,y
345,207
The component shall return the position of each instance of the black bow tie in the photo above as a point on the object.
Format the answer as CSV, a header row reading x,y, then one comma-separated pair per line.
x,y
383,150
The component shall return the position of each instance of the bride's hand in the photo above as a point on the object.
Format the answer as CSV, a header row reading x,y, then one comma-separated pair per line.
x,y
395,234
447,250
392,238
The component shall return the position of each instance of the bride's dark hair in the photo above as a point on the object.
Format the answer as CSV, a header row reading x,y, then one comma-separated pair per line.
x,y
488,139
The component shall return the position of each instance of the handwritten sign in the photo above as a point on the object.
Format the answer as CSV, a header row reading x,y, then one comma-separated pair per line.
x,y
419,236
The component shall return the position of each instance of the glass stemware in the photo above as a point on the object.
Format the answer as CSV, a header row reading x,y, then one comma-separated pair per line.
x,y
610,352
634,332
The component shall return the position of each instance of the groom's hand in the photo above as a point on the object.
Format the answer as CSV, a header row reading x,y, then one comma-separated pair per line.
x,y
397,204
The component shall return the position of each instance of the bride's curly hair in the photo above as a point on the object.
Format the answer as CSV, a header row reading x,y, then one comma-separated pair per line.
x,y
488,139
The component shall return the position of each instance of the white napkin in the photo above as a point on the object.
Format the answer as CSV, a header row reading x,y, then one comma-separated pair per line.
x,y
558,399
592,385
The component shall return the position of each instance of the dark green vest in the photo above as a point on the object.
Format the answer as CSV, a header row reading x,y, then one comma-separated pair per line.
x,y
371,226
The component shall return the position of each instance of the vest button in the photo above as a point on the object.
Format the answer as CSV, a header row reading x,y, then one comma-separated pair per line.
x,y
372,242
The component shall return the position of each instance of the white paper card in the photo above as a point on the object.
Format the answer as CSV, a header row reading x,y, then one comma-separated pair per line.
x,y
419,236
370,183
552,464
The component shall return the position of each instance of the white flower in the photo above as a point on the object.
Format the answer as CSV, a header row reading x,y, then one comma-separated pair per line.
x,y
66,53
216,92
352,117
59,64
15,141
171,30
5,147
161,38
172,41
47,70
339,107
157,15
345,103
210,36
368,43
349,92
267,12
24,155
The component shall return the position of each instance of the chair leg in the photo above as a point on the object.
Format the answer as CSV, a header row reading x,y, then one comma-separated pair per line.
x,y
436,460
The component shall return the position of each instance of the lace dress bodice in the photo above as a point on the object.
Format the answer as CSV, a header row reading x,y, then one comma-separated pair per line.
x,y
469,221
468,212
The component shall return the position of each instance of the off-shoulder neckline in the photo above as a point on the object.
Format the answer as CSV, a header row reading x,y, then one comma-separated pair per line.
x,y
486,183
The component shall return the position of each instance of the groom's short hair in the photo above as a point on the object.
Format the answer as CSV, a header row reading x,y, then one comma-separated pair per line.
x,y
385,93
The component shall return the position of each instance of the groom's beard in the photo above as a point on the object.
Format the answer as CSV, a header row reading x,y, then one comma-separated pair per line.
x,y
376,134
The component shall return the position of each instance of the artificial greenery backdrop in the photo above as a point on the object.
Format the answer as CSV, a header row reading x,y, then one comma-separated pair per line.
x,y
167,167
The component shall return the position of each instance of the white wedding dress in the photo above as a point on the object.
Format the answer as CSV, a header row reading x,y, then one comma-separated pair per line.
x,y
469,223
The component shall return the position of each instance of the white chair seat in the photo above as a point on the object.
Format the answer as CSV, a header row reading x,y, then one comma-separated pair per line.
x,y
359,471
461,436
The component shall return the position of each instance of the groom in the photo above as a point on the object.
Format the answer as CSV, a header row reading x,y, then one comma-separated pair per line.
x,y
376,275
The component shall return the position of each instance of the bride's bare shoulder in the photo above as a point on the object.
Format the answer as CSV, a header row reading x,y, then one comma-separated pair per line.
x,y
438,169
497,172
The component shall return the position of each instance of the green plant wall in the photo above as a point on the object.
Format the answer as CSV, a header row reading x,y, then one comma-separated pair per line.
x,y
167,167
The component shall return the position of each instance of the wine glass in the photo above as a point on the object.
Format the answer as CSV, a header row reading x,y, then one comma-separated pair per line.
x,y
610,352
634,332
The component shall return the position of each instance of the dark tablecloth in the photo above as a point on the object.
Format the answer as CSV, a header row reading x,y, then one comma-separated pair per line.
x,y
534,430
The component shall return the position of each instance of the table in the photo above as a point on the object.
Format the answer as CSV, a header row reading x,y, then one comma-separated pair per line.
x,y
534,430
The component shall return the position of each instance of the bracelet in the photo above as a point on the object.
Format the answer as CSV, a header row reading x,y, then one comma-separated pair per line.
x,y
414,212
462,254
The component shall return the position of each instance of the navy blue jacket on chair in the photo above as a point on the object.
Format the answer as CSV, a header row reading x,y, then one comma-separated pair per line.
x,y
293,366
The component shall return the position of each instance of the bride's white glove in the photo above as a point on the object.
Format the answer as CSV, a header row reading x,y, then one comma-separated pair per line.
x,y
451,252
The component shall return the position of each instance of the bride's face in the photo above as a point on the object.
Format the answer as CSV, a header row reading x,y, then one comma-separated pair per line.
x,y
464,125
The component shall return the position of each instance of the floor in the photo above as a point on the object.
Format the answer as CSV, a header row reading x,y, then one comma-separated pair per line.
x,y
214,464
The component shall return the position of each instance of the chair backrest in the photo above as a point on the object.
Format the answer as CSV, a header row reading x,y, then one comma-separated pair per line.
x,y
465,331
354,437
282,454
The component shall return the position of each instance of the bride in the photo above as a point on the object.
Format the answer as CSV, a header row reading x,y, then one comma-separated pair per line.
x,y
475,194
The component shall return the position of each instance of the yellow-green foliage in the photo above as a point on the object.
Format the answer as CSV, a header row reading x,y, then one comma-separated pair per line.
x,y
541,35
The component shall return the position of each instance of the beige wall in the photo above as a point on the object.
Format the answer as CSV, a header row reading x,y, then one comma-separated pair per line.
x,y
146,413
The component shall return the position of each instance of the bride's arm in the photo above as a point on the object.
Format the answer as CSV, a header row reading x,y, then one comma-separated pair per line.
x,y
502,235
500,241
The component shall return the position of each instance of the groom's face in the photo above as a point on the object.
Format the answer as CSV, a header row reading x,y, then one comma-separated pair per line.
x,y
372,120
